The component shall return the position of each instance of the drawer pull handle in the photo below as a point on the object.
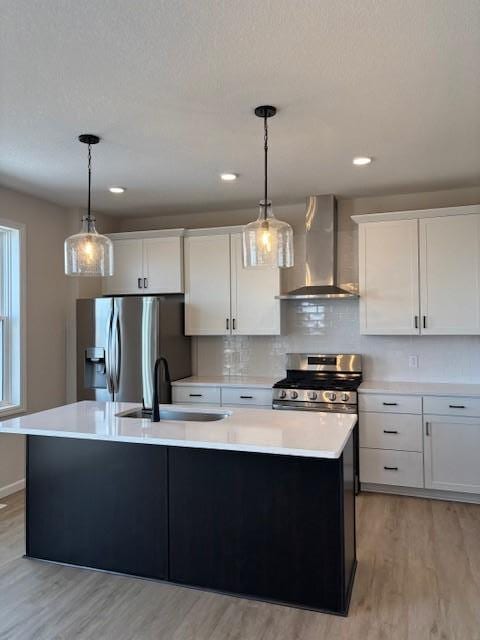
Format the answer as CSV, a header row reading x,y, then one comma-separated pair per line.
x,y
391,468
387,431
427,428
390,404
456,406
139,283
195,395
246,397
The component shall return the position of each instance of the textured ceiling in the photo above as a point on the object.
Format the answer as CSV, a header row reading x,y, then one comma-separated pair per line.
x,y
170,86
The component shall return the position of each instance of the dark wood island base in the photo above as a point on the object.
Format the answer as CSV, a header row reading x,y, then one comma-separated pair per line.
x,y
278,528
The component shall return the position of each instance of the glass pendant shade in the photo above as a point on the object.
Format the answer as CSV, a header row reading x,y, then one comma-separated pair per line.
x,y
88,253
267,242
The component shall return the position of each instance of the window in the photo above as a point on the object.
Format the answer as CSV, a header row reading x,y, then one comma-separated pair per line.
x,y
11,317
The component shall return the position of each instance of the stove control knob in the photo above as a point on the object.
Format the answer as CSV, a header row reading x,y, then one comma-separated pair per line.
x,y
345,397
282,394
293,395
312,395
331,396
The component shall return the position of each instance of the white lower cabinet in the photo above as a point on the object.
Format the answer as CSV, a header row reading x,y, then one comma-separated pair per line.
x,y
234,396
390,434
397,431
196,394
452,453
401,468
223,396
433,442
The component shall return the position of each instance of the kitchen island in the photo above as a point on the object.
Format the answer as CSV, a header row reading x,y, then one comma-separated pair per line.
x,y
258,503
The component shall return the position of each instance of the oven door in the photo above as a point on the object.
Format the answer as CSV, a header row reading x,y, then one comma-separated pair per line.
x,y
323,407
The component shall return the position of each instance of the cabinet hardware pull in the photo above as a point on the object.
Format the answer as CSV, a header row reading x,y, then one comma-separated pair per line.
x,y
424,322
390,404
387,431
233,324
416,322
195,395
456,406
427,428
228,324
246,397
391,468
145,283
139,283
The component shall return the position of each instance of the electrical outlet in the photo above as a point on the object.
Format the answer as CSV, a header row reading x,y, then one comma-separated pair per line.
x,y
413,362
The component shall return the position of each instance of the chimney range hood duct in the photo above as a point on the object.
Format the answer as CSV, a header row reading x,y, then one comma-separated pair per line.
x,y
318,271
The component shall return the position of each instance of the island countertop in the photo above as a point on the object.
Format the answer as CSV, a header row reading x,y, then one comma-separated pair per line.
x,y
294,433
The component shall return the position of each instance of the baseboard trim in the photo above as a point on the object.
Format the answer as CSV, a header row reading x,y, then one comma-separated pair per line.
x,y
433,494
12,488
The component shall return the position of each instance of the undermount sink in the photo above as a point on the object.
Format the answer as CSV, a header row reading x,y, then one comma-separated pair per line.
x,y
171,414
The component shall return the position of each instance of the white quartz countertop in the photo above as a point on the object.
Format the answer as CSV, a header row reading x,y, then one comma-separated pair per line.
x,y
296,433
257,382
420,388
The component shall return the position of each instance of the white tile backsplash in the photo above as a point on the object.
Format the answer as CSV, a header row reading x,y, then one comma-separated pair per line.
x,y
331,327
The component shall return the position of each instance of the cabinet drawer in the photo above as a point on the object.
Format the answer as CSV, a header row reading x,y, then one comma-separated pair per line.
x,y
196,395
262,397
401,468
390,403
452,406
402,431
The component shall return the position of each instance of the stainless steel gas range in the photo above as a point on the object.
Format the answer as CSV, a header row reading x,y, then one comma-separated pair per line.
x,y
321,382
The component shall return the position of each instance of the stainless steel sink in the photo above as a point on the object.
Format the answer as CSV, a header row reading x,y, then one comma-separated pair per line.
x,y
171,414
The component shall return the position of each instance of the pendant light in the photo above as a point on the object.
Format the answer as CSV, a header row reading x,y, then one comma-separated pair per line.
x,y
267,242
88,253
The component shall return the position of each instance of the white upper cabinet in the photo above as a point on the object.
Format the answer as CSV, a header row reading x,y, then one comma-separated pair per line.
x,y
450,274
163,264
207,285
388,274
127,268
223,298
146,262
255,311
419,272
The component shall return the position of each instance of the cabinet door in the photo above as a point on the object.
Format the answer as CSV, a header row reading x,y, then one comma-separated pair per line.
x,y
162,265
451,447
127,268
98,504
207,285
275,527
450,274
254,308
388,273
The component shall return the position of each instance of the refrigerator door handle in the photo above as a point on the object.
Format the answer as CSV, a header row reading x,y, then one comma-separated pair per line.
x,y
108,355
117,350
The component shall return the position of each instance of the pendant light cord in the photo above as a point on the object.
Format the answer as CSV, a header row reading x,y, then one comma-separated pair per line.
x,y
265,148
89,217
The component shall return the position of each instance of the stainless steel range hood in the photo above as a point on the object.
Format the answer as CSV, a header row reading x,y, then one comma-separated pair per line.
x,y
318,270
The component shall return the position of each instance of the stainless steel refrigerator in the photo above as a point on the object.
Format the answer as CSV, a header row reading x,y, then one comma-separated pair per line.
x,y
118,341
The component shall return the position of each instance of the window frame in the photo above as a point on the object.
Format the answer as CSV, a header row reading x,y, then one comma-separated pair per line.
x,y
13,316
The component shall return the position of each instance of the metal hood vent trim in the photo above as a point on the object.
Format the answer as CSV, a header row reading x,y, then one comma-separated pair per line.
x,y
318,271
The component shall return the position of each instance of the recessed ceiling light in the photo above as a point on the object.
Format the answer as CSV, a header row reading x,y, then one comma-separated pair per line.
x,y
228,177
117,189
361,161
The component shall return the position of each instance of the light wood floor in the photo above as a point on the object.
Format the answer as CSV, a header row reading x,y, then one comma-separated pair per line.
x,y
418,578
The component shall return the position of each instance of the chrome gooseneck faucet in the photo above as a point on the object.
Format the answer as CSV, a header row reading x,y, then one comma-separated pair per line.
x,y
155,401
